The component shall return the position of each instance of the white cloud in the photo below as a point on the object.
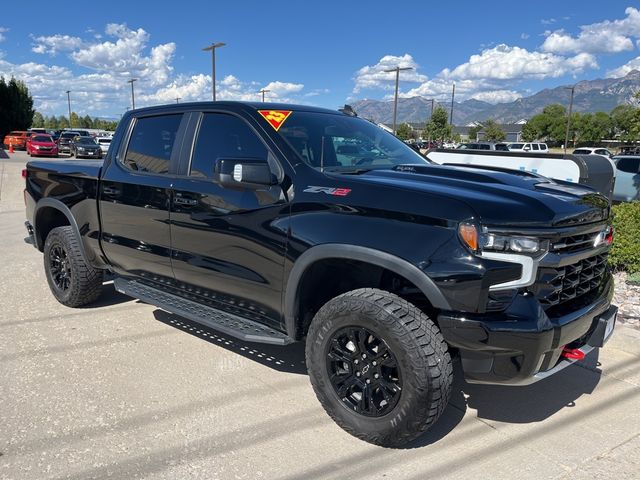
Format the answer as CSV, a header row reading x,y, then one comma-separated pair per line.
x,y
3,30
489,76
524,36
633,64
56,43
602,37
99,72
508,63
374,76
497,96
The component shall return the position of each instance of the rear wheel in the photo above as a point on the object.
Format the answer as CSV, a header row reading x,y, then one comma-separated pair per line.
x,y
72,281
379,366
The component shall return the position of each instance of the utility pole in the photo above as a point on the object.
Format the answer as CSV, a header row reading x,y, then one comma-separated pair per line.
x,y
69,103
213,47
263,91
133,98
453,95
395,99
430,118
566,137
178,99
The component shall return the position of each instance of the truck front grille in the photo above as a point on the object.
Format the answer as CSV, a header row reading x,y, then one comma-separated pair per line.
x,y
555,286
574,243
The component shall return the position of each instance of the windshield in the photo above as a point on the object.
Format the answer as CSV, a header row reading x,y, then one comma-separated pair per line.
x,y
42,138
342,142
86,141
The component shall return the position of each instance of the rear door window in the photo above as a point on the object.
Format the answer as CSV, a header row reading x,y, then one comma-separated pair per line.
x,y
535,146
151,144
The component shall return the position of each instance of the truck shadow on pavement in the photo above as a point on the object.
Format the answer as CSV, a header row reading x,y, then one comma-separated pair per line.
x,y
526,404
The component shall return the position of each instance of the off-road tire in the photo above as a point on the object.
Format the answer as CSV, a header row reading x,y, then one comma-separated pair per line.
x,y
85,282
417,344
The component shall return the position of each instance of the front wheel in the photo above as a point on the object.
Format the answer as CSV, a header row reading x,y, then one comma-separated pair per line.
x,y
72,281
379,366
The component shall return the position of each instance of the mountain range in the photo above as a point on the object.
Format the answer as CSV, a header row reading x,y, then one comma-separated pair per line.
x,y
590,96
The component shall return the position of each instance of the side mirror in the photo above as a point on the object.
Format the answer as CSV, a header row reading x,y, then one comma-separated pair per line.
x,y
527,148
244,173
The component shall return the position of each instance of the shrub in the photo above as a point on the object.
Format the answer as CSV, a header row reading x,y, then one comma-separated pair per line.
x,y
625,254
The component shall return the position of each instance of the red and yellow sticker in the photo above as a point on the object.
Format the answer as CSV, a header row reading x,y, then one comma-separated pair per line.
x,y
275,117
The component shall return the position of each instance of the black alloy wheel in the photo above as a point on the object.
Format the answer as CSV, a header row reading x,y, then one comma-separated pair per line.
x,y
60,267
363,371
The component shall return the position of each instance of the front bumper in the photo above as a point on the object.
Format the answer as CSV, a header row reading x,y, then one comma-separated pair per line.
x,y
522,344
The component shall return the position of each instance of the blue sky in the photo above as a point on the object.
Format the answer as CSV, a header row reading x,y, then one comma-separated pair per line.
x,y
322,53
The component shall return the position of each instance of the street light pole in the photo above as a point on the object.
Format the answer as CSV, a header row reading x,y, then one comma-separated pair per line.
x,y
395,98
178,99
453,95
263,91
566,137
133,98
69,103
213,47
430,118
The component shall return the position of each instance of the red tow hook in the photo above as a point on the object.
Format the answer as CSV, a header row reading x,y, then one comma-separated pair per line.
x,y
573,353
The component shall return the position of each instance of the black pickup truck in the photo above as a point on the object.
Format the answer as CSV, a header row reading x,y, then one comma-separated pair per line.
x,y
282,223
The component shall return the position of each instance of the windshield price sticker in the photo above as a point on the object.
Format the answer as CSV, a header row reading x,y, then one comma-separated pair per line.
x,y
275,117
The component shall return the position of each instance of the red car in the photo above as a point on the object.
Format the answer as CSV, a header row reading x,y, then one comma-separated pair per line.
x,y
42,145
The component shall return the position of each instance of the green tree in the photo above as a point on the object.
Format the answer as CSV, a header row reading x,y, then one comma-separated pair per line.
x,y
622,118
38,120
63,122
86,122
529,132
16,106
591,127
493,132
438,128
550,124
75,120
473,132
404,131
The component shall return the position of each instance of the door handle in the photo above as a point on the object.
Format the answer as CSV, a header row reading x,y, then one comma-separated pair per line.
x,y
110,191
180,200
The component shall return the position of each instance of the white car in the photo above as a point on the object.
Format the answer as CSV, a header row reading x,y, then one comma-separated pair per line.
x,y
528,147
592,151
104,143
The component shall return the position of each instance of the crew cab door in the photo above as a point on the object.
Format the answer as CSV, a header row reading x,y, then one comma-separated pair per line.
x,y
135,195
228,239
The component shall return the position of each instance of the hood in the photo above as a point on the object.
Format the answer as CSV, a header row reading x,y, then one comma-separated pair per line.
x,y
500,197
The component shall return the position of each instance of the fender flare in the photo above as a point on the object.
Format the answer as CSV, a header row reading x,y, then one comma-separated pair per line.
x,y
363,254
62,208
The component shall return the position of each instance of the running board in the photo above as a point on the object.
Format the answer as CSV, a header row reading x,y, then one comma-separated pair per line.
x,y
224,322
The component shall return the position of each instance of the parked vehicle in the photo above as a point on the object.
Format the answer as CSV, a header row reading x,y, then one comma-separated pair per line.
x,y
104,143
483,146
528,147
42,145
38,130
85,147
64,141
627,187
593,151
242,217
16,138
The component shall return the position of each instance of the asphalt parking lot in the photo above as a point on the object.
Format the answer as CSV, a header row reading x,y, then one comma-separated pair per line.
x,y
123,390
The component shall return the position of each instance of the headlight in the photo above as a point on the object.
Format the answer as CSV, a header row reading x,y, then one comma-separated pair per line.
x,y
81,149
500,243
476,241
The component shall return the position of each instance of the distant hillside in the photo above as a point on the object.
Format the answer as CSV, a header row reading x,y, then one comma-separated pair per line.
x,y
590,96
